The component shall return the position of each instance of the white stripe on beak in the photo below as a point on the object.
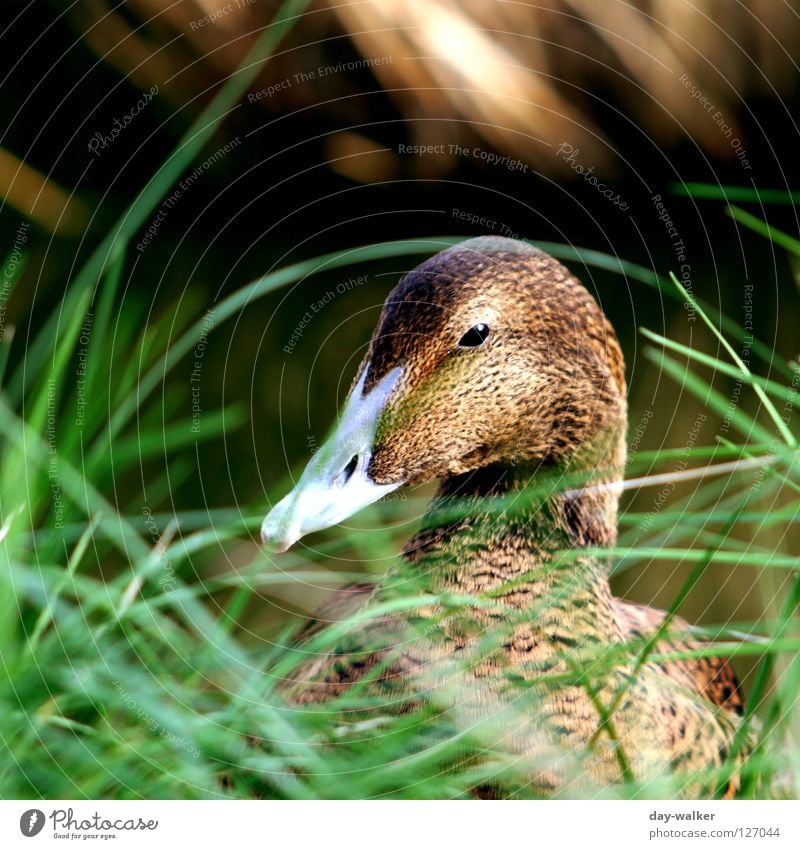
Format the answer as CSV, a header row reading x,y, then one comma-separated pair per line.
x,y
335,484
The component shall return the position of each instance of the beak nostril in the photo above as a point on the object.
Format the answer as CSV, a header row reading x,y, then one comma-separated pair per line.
x,y
347,471
335,483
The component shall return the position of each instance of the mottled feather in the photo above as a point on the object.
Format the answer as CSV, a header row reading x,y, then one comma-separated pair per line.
x,y
544,397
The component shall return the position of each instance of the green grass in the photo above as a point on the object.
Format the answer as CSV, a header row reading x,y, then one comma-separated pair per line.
x,y
128,665
739,194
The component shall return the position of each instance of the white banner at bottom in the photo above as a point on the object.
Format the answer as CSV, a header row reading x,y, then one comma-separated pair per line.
x,y
406,824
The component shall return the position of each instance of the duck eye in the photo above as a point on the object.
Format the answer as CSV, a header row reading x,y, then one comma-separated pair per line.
x,y
474,337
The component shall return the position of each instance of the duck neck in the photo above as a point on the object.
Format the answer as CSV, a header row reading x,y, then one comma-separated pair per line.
x,y
512,532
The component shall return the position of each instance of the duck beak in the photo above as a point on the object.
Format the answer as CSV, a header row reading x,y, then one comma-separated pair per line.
x,y
335,484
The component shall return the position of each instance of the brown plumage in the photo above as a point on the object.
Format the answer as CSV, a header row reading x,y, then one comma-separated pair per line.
x,y
526,431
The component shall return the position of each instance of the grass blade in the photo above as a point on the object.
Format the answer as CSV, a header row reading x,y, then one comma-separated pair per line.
x,y
768,405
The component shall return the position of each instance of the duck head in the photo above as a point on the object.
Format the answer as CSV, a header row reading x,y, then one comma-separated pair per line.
x,y
490,353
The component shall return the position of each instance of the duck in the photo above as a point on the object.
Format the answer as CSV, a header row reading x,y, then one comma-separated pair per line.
x,y
493,371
